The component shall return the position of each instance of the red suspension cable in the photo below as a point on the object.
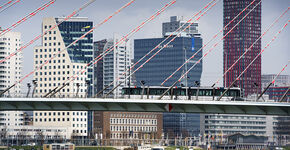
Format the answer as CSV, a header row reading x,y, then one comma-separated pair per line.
x,y
207,43
27,17
91,30
190,20
45,32
179,80
96,59
248,49
3,8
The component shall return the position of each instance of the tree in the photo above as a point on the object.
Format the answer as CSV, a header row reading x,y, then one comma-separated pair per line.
x,y
3,134
40,136
58,136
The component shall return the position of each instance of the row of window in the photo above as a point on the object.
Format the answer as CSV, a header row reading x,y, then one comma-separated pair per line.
x,y
8,39
59,67
54,61
59,113
46,50
50,119
79,131
134,115
49,38
80,125
133,121
134,128
49,55
52,44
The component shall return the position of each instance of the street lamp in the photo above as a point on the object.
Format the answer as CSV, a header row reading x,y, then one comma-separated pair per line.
x,y
88,86
142,82
28,86
197,91
34,82
257,86
78,88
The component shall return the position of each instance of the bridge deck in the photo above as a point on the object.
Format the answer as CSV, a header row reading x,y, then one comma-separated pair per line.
x,y
145,105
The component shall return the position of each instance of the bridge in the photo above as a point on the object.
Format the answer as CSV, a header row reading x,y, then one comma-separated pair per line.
x,y
145,105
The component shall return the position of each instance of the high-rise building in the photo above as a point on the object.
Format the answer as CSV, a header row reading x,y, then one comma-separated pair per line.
x,y
57,71
66,64
10,70
114,66
166,62
237,42
171,57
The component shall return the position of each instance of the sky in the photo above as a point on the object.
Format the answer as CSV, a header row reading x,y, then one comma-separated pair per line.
x,y
273,59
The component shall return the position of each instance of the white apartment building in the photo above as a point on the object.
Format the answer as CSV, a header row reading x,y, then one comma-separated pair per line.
x,y
10,70
220,126
74,121
116,63
58,70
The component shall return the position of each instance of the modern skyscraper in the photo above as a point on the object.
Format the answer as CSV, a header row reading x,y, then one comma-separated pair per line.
x,y
166,62
236,43
171,57
66,64
63,66
114,65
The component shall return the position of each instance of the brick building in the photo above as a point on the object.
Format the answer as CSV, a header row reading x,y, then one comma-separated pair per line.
x,y
127,125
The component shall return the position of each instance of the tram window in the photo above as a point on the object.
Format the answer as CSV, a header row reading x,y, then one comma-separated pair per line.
x,y
135,91
160,91
208,92
182,92
193,92
233,93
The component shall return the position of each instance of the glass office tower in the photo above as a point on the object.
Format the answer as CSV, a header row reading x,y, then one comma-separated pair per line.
x,y
168,60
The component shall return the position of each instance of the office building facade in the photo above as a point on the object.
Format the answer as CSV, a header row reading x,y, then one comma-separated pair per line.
x,y
168,60
125,126
218,127
67,63
238,40
61,68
